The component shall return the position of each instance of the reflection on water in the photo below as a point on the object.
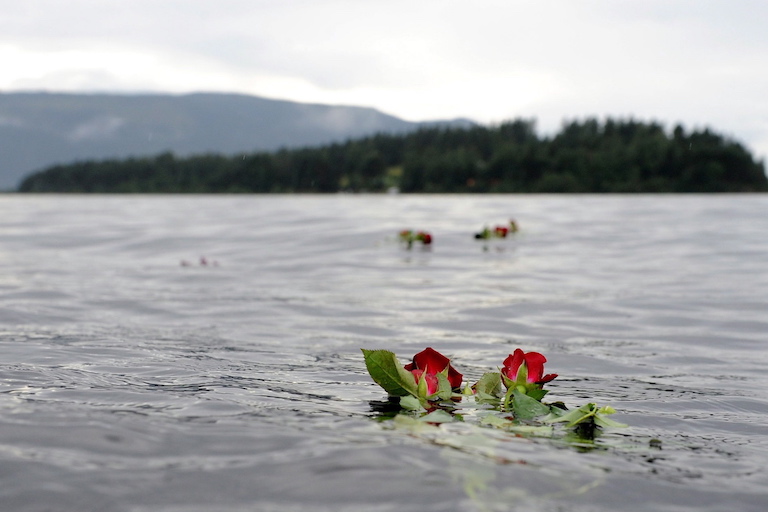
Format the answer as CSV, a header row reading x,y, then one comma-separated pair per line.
x,y
130,382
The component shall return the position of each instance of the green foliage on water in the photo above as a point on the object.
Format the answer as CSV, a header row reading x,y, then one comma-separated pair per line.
x,y
388,373
587,156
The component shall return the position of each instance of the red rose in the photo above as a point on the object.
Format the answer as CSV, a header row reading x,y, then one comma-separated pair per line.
x,y
424,237
533,362
429,378
433,362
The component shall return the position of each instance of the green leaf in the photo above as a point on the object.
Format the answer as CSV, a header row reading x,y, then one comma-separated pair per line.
x,y
511,426
554,413
489,386
437,416
387,372
607,422
600,418
413,425
522,374
536,393
532,430
588,413
496,421
421,387
444,390
576,416
411,403
526,407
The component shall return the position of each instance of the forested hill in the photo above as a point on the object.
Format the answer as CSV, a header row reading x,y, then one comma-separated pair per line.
x,y
39,129
584,156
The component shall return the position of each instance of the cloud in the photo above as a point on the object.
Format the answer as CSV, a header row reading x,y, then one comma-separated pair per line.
x,y
85,79
692,61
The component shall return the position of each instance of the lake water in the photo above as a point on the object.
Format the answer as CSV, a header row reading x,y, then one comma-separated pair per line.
x,y
132,383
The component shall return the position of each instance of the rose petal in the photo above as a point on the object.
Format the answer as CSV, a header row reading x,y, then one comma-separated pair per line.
x,y
535,363
547,378
432,361
512,364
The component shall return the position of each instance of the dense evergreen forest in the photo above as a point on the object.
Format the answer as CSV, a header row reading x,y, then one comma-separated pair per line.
x,y
585,156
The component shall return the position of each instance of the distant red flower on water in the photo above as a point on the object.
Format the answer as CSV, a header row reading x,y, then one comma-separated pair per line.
x,y
532,362
424,237
499,231
409,237
433,362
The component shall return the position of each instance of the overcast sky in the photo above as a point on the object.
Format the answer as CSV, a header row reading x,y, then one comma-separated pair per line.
x,y
695,62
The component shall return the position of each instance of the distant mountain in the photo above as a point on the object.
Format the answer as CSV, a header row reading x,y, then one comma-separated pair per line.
x,y
38,130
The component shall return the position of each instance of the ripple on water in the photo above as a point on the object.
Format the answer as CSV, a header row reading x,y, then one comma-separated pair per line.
x,y
131,383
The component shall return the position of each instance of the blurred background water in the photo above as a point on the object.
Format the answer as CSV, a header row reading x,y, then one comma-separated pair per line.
x,y
135,378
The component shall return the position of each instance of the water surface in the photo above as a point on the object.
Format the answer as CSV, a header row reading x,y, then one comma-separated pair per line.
x,y
131,382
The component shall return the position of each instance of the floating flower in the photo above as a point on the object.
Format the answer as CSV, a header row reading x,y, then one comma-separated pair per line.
x,y
433,362
428,386
499,231
424,237
422,383
431,384
409,237
203,262
524,373
526,368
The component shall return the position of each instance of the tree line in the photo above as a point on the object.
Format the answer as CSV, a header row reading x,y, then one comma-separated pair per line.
x,y
587,156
